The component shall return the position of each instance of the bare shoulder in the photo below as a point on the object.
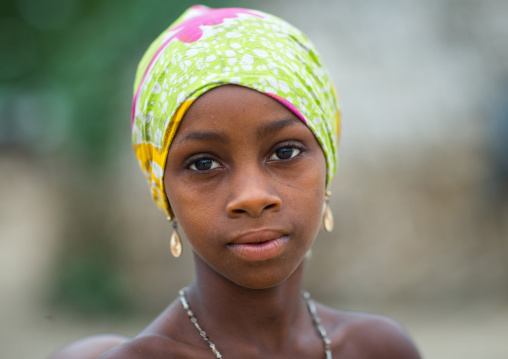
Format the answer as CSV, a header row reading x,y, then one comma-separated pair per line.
x,y
139,347
164,338
90,347
155,346
362,335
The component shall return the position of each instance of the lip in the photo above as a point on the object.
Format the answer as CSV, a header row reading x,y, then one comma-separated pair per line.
x,y
259,245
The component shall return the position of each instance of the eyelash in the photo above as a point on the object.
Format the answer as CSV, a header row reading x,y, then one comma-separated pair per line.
x,y
291,145
193,161
208,158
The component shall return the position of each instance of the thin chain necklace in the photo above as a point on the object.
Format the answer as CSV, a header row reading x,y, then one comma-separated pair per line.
x,y
306,296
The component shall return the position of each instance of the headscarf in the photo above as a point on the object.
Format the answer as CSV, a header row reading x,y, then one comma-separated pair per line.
x,y
206,48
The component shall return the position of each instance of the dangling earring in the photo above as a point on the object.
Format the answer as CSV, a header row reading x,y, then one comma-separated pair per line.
x,y
327,215
175,242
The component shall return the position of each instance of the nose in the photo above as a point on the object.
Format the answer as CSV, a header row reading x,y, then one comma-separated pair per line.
x,y
253,195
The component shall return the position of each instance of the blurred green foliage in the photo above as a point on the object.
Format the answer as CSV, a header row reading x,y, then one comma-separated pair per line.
x,y
67,68
90,283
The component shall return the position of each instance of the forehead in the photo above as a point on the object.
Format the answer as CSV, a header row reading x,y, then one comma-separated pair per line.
x,y
234,106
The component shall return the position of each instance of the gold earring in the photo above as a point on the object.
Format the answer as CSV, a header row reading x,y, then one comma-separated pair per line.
x,y
175,243
327,215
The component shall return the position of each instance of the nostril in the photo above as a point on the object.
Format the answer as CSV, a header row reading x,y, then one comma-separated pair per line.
x,y
253,205
270,206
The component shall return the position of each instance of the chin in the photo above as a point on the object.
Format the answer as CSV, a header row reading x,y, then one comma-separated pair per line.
x,y
264,278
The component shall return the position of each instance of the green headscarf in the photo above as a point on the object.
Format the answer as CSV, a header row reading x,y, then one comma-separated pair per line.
x,y
206,48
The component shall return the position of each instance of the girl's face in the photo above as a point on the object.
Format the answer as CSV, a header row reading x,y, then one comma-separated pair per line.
x,y
246,180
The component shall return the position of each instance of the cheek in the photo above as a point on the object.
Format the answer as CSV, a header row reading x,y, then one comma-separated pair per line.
x,y
318,176
186,207
195,215
314,176
305,195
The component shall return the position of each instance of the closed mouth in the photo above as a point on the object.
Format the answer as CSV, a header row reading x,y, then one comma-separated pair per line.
x,y
259,245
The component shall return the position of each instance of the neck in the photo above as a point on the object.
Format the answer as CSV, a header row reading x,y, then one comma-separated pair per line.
x,y
272,317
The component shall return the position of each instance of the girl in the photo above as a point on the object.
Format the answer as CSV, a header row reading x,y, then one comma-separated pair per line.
x,y
235,125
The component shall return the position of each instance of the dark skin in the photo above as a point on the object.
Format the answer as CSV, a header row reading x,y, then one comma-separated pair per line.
x,y
246,181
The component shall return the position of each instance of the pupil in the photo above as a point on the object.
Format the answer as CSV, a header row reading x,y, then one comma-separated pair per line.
x,y
284,153
204,164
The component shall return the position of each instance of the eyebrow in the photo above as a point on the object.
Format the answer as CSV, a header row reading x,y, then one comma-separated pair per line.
x,y
276,126
261,132
204,136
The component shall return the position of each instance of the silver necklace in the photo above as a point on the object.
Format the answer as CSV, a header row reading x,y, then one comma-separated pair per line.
x,y
306,296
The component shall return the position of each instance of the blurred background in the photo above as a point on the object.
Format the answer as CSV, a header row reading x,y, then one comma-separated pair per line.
x,y
420,199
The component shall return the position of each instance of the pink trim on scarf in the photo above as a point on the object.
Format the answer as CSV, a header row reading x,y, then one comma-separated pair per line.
x,y
288,104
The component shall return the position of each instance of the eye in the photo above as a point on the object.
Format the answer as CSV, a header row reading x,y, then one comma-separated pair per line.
x,y
203,164
285,153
